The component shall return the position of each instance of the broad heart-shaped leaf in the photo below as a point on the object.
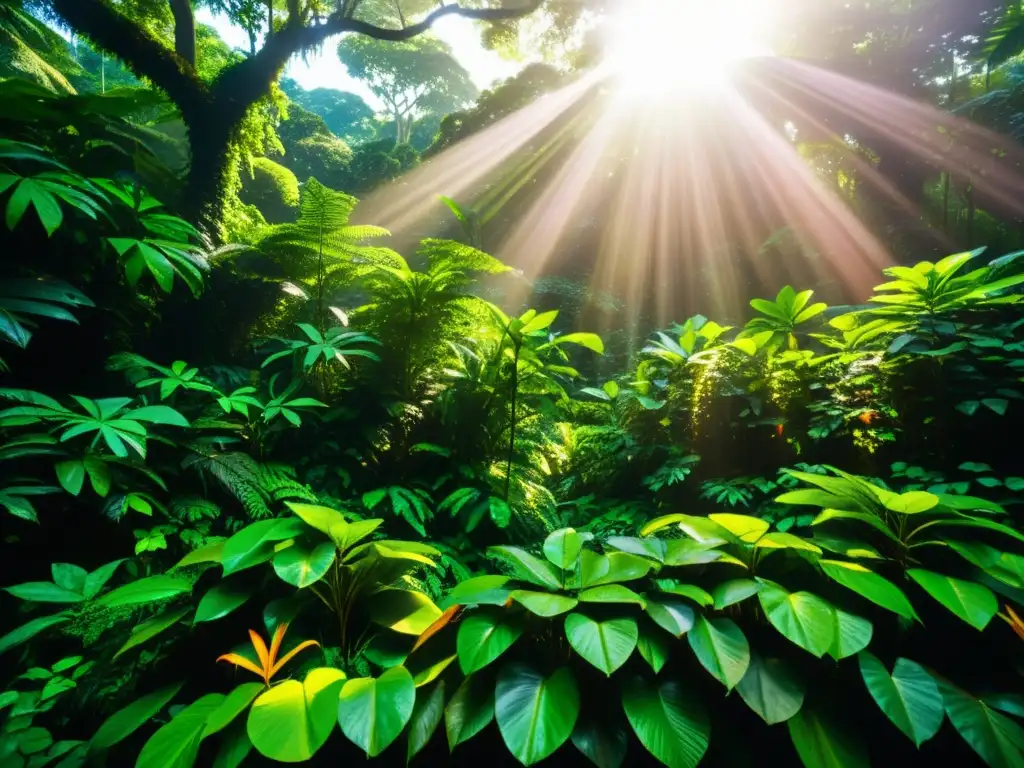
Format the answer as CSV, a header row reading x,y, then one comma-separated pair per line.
x,y
145,590
544,604
254,544
611,593
734,591
910,697
869,584
292,720
974,603
562,548
803,618
535,714
853,634
770,689
221,600
721,648
485,635
127,720
822,743
426,716
606,644
69,576
301,566
670,724
998,739
674,616
912,503
479,590
177,743
603,741
373,712
526,567
470,709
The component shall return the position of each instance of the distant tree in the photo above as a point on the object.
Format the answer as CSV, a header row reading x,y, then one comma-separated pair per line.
x,y
424,131
346,114
214,112
311,149
412,78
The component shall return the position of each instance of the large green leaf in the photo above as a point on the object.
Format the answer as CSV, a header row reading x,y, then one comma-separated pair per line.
x,y
770,689
543,603
604,743
403,610
176,744
869,584
535,714
721,648
44,592
373,712
562,548
733,591
426,716
527,567
479,590
611,593
670,724
234,704
152,627
674,616
470,710
254,544
485,635
301,566
292,720
653,645
910,697
224,598
127,720
822,743
803,618
606,644
853,634
974,603
998,739
146,590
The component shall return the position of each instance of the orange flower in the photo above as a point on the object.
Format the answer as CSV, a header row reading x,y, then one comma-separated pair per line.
x,y
868,417
1015,622
270,665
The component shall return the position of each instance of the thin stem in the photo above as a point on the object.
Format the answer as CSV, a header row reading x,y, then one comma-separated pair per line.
x,y
512,427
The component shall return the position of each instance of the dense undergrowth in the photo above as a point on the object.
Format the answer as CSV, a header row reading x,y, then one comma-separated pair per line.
x,y
363,510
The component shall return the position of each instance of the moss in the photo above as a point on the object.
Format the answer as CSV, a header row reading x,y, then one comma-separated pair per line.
x,y
273,189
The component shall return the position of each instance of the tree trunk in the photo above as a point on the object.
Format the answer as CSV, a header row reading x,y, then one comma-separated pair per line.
x,y
184,30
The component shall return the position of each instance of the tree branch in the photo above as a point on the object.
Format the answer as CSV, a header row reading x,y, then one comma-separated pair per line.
x,y
144,54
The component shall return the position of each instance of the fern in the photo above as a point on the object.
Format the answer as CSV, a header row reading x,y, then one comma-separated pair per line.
x,y
238,473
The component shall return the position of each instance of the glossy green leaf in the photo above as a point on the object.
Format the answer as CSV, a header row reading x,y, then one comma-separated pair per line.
x,y
292,720
29,630
479,590
909,697
667,720
912,503
604,743
254,544
771,690
528,567
234,747
562,548
733,591
127,720
869,584
470,710
301,566
485,635
403,610
44,592
177,743
802,617
653,645
146,590
694,593
721,648
426,716
373,712
852,635
746,528
543,603
674,616
606,644
152,627
998,739
535,714
223,599
822,743
974,603
611,593
234,704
